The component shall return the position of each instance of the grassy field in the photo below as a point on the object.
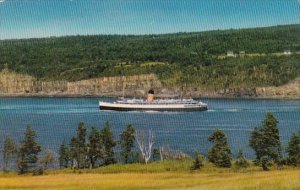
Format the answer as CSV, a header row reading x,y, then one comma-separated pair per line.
x,y
167,175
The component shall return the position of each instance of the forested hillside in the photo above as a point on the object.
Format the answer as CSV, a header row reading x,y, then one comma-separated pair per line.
x,y
190,58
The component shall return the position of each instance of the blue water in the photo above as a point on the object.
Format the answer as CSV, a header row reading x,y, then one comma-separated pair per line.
x,y
56,119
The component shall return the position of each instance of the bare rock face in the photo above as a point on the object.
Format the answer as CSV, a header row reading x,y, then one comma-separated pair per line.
x,y
290,90
238,92
13,84
131,85
19,84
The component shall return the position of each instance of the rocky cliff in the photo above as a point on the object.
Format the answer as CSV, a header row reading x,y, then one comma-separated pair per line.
x,y
290,90
13,84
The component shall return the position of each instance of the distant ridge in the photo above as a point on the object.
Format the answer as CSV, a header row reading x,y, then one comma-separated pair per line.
x,y
157,35
211,60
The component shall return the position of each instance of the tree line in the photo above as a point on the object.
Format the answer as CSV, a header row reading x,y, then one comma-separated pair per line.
x,y
75,58
97,149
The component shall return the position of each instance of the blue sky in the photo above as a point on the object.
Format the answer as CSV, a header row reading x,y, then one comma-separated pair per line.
x,y
44,18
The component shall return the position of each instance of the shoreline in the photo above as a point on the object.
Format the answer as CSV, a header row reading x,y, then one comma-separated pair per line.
x,y
108,95
16,85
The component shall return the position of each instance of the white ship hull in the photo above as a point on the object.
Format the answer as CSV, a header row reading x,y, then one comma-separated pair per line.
x,y
152,106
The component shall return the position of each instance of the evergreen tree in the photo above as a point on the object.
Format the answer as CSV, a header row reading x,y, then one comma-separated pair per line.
x,y
28,152
73,153
127,143
82,148
9,152
106,137
198,163
64,156
241,162
265,140
293,150
94,147
220,153
79,146
265,162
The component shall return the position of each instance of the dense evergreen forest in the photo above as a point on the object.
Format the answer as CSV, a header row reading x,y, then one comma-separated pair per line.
x,y
198,58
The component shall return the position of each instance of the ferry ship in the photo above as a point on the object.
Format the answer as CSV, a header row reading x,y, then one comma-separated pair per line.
x,y
151,104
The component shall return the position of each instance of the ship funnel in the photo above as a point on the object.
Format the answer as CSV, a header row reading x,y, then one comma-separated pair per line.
x,y
150,96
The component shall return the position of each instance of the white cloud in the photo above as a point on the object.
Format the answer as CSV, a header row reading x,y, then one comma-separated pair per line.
x,y
2,1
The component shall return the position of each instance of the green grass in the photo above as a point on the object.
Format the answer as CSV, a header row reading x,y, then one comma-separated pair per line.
x,y
178,166
169,174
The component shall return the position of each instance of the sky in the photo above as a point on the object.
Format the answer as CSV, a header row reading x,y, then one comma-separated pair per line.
x,y
45,18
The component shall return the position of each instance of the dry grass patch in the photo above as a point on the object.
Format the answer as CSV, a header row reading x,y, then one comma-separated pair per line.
x,y
275,180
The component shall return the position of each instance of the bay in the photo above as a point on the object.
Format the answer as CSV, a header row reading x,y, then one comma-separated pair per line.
x,y
56,120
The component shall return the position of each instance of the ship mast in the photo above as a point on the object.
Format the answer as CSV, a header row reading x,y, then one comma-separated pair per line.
x,y
123,91
190,86
181,91
123,83
184,86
